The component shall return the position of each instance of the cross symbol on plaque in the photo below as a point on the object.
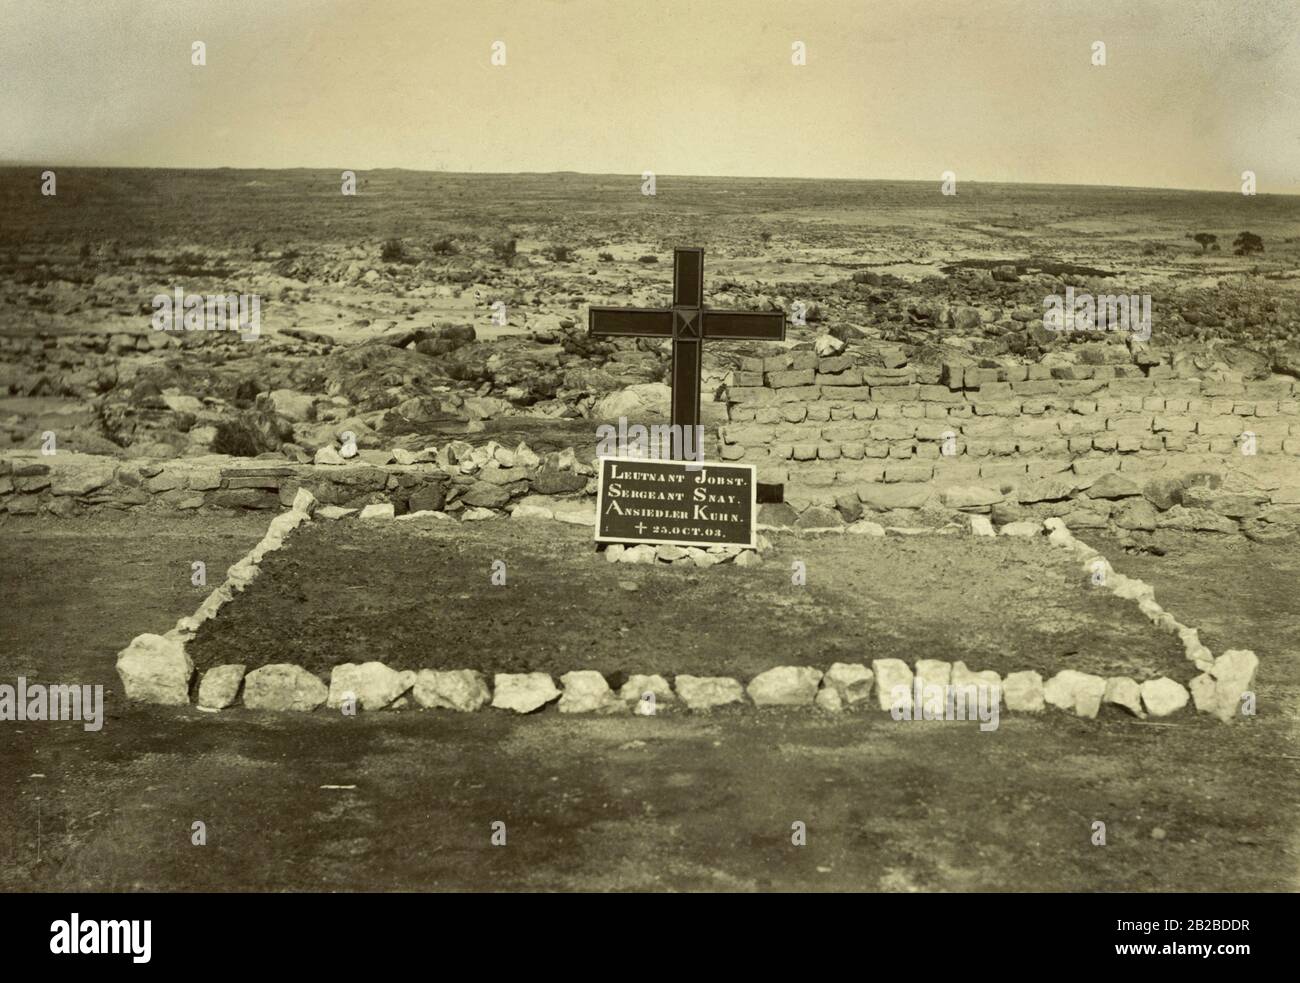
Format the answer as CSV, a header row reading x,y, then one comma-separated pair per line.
x,y
689,324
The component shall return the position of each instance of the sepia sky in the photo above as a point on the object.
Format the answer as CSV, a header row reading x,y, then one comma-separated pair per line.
x,y
1194,91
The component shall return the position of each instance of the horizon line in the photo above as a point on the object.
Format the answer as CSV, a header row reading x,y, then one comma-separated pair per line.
x,y
6,164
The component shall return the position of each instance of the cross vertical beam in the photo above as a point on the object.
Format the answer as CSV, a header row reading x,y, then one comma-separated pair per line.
x,y
689,324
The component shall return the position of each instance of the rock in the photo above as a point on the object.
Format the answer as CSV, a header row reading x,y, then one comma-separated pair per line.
x,y
1234,676
82,481
981,525
549,481
523,692
304,502
333,512
283,687
292,405
327,455
1022,530
429,497
1203,693
668,553
851,683
1112,485
707,692
465,690
586,691
156,669
642,553
371,685
478,515
985,679
829,700
220,687
637,687
827,345
1077,691
1124,692
1163,696
383,510
933,672
784,686
864,527
1023,692
575,513
484,494
817,517
893,683
748,558
969,497
1137,515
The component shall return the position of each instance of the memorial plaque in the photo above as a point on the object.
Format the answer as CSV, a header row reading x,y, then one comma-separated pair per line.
x,y
685,503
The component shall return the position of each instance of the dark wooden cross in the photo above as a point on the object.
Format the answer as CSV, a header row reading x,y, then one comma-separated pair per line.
x,y
689,324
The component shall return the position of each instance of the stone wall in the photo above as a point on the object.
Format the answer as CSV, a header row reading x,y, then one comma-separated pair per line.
x,y
1023,441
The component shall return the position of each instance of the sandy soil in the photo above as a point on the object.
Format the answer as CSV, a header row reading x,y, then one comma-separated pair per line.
x,y
653,803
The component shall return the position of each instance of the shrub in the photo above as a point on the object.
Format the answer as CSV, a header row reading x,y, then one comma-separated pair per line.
x,y
505,249
446,246
1247,243
236,438
606,257
560,254
392,251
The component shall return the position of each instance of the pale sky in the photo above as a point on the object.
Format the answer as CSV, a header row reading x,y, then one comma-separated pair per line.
x,y
1193,92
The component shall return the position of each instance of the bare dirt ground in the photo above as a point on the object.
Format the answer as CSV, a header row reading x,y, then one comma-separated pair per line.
x,y
686,803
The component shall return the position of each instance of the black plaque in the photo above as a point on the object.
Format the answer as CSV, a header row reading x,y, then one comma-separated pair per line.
x,y
684,503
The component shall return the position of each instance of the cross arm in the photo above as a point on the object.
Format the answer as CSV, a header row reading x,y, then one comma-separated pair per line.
x,y
630,322
745,325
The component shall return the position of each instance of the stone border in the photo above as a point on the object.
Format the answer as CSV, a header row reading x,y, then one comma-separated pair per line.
x,y
157,669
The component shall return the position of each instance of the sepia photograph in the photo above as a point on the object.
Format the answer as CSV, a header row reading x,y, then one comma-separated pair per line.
x,y
595,447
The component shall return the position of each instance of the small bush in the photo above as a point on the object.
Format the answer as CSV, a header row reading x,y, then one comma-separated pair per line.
x,y
560,254
236,438
648,258
446,246
392,251
505,249
606,257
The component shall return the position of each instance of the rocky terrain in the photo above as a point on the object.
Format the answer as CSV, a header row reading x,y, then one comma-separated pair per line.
x,y
433,306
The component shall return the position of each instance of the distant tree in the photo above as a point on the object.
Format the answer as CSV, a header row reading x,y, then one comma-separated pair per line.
x,y
1247,243
765,236
1205,239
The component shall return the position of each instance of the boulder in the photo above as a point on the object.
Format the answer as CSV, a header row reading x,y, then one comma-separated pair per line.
x,y
156,669
1234,675
707,692
892,675
1077,691
465,690
1163,696
283,687
1023,692
638,686
851,683
587,691
969,496
383,510
1124,692
219,687
1113,485
484,494
523,692
784,686
371,685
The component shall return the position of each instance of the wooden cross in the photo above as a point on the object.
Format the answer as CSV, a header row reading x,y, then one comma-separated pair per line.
x,y
689,324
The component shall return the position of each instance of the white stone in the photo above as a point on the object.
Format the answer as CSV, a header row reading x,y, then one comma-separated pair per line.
x,y
986,679
638,686
1077,691
614,552
1124,692
892,675
371,685
381,510
587,691
707,692
1163,696
748,558
219,687
304,502
283,687
156,669
1023,692
1204,693
333,512
981,525
1234,675
865,527
527,510
465,690
477,514
1022,530
933,672
850,681
523,692
784,686
642,553
327,455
